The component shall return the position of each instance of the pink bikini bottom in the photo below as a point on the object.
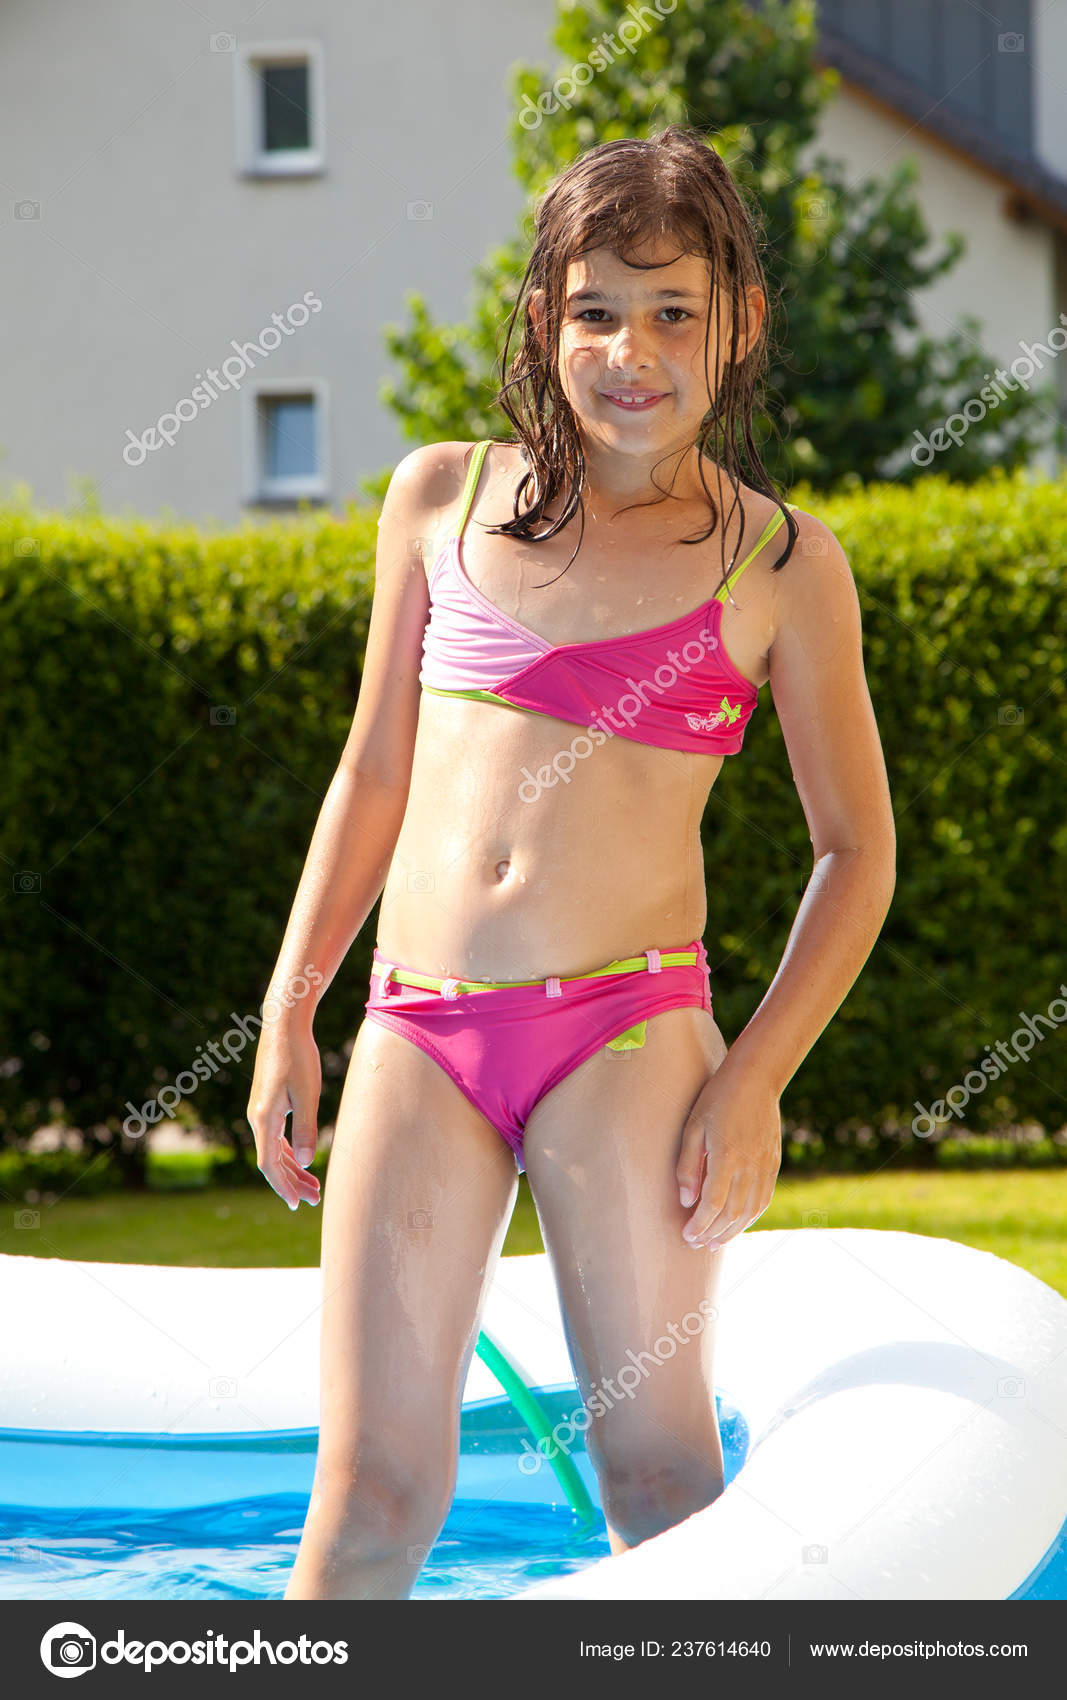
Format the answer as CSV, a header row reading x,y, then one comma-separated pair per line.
x,y
506,1045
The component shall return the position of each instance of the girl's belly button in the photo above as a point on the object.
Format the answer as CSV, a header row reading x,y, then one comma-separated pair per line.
x,y
504,872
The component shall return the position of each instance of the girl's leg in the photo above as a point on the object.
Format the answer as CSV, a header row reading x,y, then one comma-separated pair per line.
x,y
416,1204
600,1152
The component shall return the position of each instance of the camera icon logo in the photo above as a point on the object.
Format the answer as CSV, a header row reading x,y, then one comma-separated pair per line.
x,y
1011,1387
68,1649
223,714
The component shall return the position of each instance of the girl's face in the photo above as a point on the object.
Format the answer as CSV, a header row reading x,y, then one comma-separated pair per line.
x,y
632,358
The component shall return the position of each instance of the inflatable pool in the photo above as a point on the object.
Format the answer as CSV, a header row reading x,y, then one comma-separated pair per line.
x,y
893,1411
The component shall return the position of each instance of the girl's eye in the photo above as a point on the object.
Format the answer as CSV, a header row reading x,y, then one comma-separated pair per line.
x,y
685,315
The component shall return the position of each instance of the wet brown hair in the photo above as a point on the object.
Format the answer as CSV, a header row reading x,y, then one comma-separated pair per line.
x,y
625,195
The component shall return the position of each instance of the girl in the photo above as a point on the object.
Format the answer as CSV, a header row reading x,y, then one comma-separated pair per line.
x,y
556,667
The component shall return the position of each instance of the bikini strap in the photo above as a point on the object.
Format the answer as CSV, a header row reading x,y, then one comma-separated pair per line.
x,y
772,525
473,474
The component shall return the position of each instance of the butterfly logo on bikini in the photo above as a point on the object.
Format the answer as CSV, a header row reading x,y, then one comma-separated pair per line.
x,y
707,723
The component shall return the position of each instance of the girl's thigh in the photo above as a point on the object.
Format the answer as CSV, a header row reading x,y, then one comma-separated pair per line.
x,y
418,1194
638,1302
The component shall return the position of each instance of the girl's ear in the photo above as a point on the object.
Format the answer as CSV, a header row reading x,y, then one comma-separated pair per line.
x,y
536,307
754,307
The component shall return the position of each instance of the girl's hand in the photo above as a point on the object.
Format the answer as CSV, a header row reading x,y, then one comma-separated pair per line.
x,y
736,1127
287,1078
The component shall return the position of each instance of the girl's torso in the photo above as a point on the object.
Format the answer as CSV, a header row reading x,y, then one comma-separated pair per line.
x,y
535,845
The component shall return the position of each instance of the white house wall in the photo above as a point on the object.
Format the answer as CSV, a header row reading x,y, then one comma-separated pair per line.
x,y
1007,276
151,253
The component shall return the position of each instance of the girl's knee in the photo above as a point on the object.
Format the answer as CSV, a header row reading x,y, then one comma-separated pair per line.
x,y
645,1499
381,1505
652,1478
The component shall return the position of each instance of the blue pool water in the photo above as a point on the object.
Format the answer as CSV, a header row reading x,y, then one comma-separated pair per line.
x,y
219,1516
244,1550
135,1516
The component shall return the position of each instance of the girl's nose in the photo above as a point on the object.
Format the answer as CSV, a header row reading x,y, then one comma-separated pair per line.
x,y
628,348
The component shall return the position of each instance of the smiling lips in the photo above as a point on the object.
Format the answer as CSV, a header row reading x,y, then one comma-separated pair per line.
x,y
634,401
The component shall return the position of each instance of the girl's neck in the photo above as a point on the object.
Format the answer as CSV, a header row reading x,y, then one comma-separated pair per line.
x,y
614,482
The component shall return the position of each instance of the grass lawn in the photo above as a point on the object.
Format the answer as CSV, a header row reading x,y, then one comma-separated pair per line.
x,y
1019,1214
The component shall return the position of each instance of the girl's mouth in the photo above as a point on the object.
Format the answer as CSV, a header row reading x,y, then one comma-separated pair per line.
x,y
633,401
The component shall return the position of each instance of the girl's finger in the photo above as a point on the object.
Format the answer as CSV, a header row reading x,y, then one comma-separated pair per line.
x,y
734,1220
709,1206
297,1176
689,1168
717,1213
287,1155
288,1179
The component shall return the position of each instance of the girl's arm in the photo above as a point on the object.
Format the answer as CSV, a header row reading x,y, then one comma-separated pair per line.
x,y
363,809
825,712
824,709
356,831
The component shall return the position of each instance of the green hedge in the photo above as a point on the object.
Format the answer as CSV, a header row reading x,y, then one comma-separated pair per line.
x,y
159,842
152,847
962,593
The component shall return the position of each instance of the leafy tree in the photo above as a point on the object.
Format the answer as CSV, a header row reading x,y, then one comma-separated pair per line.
x,y
852,377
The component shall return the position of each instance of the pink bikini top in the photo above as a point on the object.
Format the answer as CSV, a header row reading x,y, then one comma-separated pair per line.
x,y
672,686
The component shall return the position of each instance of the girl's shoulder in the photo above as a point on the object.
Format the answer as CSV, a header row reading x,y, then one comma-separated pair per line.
x,y
426,486
429,474
815,595
815,542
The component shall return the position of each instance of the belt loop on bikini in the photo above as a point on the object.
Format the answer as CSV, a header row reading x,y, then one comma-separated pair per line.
x,y
654,964
386,969
553,989
450,988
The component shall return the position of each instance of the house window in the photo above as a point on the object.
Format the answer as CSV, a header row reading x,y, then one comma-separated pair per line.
x,y
286,107
279,110
287,444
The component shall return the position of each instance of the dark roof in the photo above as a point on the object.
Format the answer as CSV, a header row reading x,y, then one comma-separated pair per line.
x,y
1034,186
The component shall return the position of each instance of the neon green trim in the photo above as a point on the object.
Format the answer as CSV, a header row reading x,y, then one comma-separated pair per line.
x,y
482,696
537,1422
768,532
631,1040
473,474
626,965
